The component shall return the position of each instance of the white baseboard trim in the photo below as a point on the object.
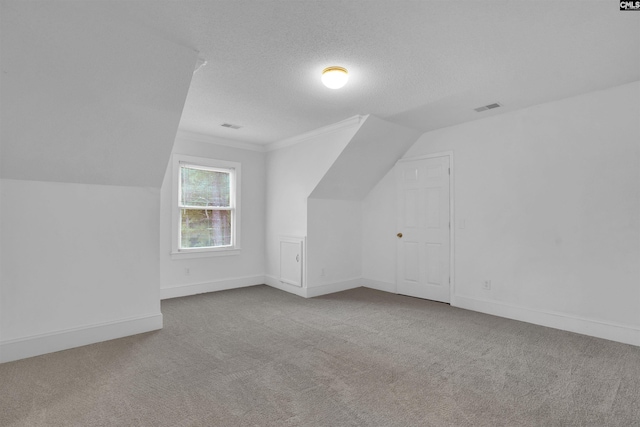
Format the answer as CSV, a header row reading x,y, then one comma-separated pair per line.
x,y
214,286
380,286
36,345
314,291
333,287
274,282
607,330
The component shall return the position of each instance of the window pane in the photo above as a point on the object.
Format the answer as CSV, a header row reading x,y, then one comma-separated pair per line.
x,y
205,228
204,188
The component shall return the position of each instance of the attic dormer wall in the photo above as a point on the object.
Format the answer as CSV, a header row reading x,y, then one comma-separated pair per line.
x,y
315,188
334,216
90,109
293,171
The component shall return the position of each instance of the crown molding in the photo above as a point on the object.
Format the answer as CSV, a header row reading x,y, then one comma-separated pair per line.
x,y
351,121
185,135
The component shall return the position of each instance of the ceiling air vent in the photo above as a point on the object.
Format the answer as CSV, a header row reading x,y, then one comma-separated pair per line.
x,y
488,107
230,126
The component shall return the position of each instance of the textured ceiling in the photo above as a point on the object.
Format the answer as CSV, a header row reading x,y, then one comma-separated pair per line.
x,y
423,64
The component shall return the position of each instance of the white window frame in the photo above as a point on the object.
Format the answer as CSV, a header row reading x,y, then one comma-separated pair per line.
x,y
235,178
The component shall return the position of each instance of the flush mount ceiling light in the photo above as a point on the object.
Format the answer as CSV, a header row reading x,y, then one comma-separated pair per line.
x,y
334,77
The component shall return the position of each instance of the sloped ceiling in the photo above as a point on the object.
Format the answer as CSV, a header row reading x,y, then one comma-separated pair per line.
x,y
372,151
87,98
422,64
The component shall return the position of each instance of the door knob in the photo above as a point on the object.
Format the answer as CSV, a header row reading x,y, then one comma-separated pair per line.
x,y
399,235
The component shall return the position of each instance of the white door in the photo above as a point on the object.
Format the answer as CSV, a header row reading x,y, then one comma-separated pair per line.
x,y
423,228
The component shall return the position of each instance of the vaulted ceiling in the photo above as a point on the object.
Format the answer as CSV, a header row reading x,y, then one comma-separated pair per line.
x,y
422,64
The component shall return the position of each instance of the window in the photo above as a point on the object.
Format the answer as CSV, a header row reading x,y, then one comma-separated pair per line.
x,y
206,206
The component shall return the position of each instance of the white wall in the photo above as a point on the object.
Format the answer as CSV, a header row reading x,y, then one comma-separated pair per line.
x,y
550,196
334,243
218,272
379,235
76,257
90,108
1,268
292,174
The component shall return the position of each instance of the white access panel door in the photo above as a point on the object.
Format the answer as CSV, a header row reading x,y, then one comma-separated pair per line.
x,y
423,220
291,250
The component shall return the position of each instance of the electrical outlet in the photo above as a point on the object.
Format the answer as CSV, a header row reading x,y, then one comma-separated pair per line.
x,y
486,284
322,274
187,271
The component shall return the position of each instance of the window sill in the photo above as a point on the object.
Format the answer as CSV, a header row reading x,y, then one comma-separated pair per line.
x,y
205,253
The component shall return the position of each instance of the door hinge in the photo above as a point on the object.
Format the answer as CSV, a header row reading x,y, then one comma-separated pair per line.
x,y
449,171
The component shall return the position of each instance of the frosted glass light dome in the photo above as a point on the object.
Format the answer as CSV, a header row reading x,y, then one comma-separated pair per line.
x,y
334,77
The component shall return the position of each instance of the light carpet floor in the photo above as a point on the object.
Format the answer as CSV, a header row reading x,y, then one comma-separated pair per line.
x,y
261,357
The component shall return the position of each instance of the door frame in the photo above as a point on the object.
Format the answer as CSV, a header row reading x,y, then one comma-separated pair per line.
x,y
451,218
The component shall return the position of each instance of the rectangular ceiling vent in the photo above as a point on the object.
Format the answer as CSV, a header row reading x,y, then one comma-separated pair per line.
x,y
230,126
488,107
